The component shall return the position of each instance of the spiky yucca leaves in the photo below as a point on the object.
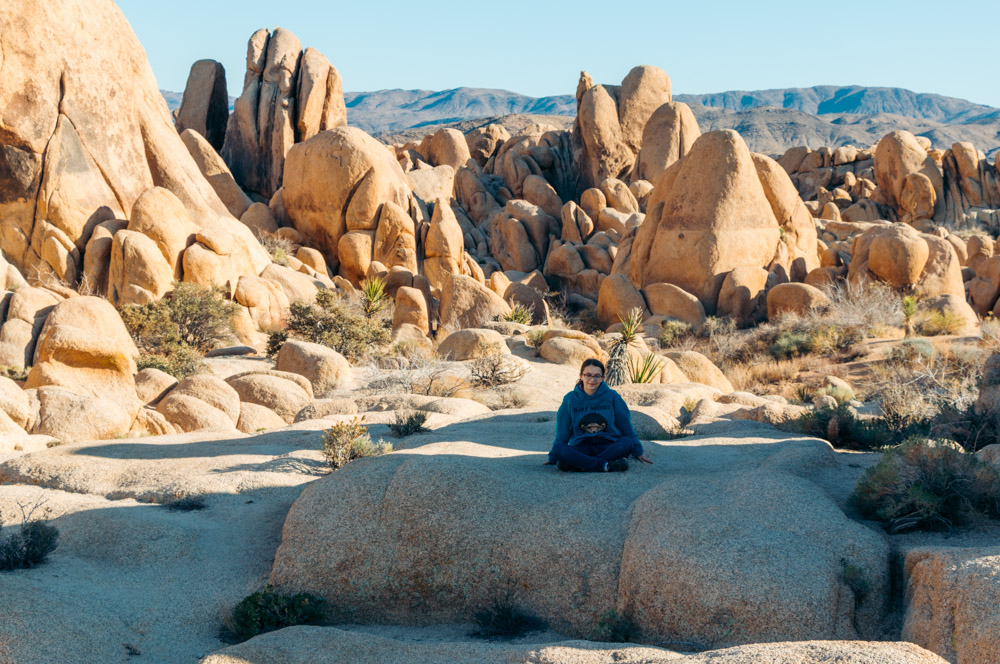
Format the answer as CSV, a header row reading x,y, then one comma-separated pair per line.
x,y
646,370
374,297
618,372
519,314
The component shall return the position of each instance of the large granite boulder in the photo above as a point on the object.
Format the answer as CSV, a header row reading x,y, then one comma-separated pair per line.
x,y
708,214
723,542
86,131
288,96
335,185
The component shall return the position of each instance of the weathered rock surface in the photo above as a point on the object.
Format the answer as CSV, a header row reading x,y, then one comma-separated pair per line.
x,y
708,214
335,184
86,132
288,96
329,645
325,368
205,106
85,348
951,602
665,564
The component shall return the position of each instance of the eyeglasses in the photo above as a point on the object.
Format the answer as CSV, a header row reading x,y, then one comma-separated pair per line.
x,y
592,376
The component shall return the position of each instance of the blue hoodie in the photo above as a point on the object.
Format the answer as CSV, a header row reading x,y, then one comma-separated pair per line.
x,y
601,414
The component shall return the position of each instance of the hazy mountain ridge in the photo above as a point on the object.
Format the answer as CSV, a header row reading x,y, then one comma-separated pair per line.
x,y
830,99
769,120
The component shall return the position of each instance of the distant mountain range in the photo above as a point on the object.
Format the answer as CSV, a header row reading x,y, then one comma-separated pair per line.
x,y
769,120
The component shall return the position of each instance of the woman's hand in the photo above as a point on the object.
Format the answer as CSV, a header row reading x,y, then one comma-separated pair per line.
x,y
643,459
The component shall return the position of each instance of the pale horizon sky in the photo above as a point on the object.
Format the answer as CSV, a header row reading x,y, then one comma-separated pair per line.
x,y
538,48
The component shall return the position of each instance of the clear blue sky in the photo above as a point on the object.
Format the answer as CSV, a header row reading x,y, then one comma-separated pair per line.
x,y
538,48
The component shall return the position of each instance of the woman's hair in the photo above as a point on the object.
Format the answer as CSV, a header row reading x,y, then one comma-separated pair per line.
x,y
590,362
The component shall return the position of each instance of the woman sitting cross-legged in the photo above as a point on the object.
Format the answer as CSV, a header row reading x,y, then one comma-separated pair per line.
x,y
593,427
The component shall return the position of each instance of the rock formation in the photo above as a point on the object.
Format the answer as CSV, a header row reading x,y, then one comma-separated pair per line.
x,y
288,96
205,106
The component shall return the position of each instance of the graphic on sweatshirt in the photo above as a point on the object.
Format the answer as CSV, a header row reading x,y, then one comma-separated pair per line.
x,y
593,423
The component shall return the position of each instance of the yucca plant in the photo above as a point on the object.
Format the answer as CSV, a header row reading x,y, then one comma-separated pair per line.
x,y
909,305
618,357
645,370
374,297
519,314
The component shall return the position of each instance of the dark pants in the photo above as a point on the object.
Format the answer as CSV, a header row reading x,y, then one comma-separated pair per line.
x,y
591,455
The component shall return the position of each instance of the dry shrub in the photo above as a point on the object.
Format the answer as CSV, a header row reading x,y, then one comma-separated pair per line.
x,y
940,322
280,248
493,367
929,484
407,423
767,376
346,441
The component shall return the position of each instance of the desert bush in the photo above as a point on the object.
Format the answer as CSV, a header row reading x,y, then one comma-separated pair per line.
x,y
839,393
937,322
672,332
763,376
503,617
493,367
280,248
519,314
203,316
174,332
870,306
180,363
331,322
533,338
374,297
30,544
275,340
645,370
267,610
407,423
927,484
587,321
613,627
791,343
908,307
842,428
346,441
186,504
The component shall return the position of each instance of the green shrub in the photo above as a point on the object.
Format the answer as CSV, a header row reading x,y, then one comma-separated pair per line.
x,y
519,313
204,317
174,332
180,363
408,423
330,321
374,297
266,611
29,545
275,340
839,393
842,428
612,627
938,322
534,338
927,484
645,370
791,343
504,618
672,332
346,441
